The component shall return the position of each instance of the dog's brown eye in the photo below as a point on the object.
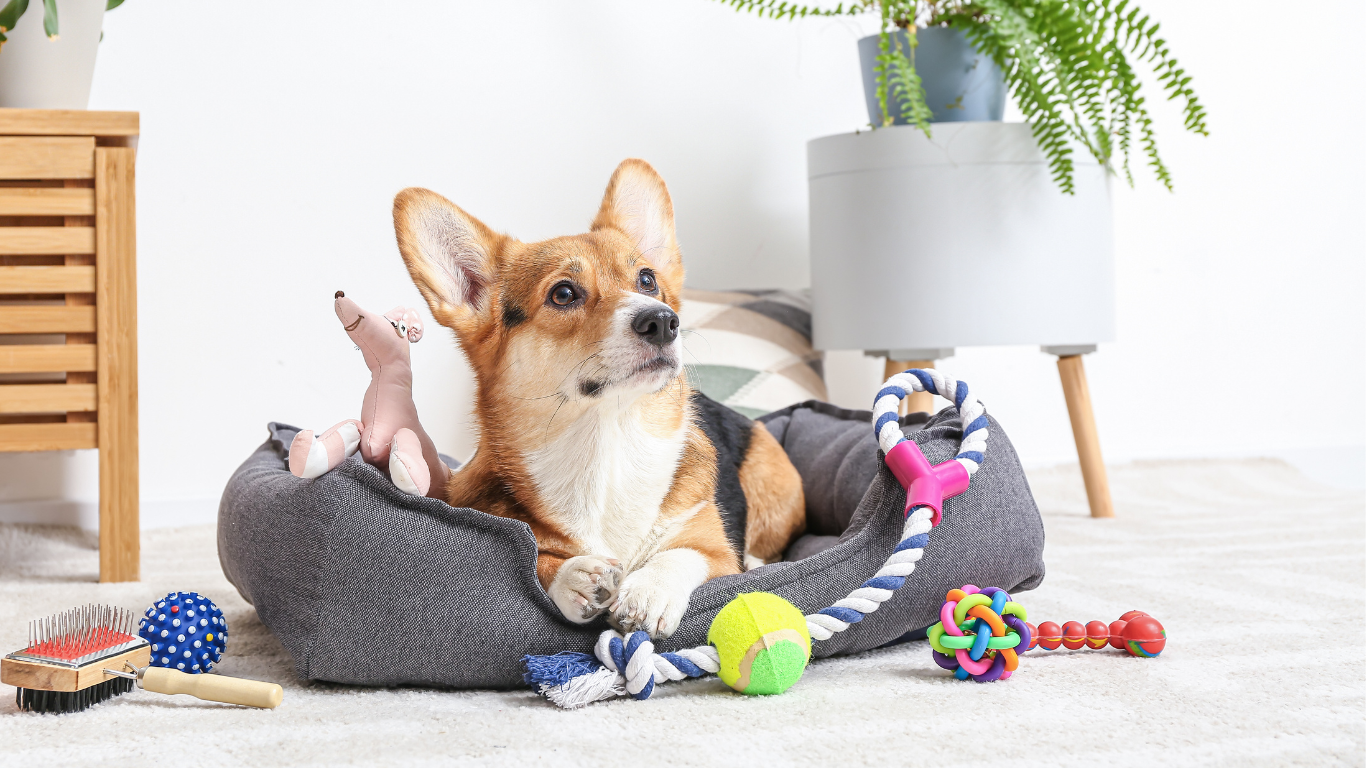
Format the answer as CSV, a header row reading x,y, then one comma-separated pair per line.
x,y
647,281
563,294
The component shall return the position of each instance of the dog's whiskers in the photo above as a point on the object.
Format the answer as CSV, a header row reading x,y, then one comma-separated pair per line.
x,y
563,399
538,397
566,376
570,372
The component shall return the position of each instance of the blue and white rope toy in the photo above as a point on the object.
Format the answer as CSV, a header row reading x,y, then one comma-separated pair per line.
x,y
629,666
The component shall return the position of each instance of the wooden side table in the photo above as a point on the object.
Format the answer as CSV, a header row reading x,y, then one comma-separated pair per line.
x,y
68,303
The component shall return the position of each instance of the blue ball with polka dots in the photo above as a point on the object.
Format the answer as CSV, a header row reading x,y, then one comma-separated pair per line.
x,y
187,632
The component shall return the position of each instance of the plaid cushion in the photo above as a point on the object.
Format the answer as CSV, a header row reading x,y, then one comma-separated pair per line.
x,y
751,350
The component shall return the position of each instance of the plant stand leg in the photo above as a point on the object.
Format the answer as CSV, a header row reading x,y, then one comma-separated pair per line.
x,y
915,402
1078,396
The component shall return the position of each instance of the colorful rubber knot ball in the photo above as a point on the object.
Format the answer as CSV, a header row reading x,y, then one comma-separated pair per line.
x,y
980,634
187,632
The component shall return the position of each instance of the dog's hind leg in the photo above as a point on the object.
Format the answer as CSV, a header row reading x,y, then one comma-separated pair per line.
x,y
773,493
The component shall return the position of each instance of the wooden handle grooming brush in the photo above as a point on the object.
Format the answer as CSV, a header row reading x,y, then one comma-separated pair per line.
x,y
87,655
209,687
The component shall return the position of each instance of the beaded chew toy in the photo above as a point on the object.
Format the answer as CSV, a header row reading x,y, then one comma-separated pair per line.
x,y
628,665
89,654
1136,632
980,634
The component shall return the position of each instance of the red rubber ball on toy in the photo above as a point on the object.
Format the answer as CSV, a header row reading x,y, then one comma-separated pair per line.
x,y
1050,635
1144,636
1033,637
1117,634
1097,634
1073,635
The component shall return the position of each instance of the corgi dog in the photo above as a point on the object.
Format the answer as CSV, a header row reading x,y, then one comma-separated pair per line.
x,y
588,429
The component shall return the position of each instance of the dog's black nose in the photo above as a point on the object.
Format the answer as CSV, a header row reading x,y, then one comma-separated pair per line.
x,y
657,325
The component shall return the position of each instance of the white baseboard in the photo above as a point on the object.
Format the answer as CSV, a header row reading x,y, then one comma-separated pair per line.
x,y
86,514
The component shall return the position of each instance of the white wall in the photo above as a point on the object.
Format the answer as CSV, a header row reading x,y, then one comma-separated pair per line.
x,y
272,144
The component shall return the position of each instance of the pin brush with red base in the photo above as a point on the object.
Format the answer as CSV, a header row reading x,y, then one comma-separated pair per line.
x,y
89,654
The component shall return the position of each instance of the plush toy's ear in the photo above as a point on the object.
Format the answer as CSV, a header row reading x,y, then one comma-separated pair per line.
x,y
407,322
449,254
637,204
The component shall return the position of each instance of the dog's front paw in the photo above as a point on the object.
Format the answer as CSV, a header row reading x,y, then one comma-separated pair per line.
x,y
585,586
648,603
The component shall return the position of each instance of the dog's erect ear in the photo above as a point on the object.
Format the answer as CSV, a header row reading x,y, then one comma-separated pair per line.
x,y
449,254
637,204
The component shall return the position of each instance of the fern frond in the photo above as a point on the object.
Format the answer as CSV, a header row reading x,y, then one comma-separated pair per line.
x,y
1141,39
1005,35
1069,65
881,72
778,9
9,15
50,19
903,81
895,68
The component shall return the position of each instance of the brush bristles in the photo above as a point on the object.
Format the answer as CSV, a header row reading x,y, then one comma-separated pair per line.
x,y
80,631
57,702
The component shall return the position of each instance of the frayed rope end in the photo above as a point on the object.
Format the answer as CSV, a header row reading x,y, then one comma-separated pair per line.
x,y
558,669
571,680
585,689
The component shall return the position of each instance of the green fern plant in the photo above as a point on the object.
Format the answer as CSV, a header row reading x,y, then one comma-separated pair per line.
x,y
9,16
1069,64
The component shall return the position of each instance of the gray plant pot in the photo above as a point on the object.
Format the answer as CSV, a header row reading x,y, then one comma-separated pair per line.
x,y
961,84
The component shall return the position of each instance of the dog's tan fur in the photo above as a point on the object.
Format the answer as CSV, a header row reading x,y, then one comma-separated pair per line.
x,y
545,435
773,487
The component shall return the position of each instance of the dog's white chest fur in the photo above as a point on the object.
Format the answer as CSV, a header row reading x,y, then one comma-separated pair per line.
x,y
605,478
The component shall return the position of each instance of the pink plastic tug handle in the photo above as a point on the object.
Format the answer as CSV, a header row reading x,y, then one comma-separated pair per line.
x,y
926,486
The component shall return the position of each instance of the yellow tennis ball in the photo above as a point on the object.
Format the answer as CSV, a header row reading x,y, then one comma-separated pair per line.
x,y
762,641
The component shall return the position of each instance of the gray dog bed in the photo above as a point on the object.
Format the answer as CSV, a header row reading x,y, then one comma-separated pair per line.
x,y
366,585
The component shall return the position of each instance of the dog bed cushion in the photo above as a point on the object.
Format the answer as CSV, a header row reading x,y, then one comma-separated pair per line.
x,y
751,350
365,585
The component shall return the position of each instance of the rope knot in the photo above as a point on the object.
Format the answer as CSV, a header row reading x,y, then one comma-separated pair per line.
x,y
634,661
630,656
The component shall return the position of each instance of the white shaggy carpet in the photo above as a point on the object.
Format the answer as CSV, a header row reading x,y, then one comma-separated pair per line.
x,y
1256,572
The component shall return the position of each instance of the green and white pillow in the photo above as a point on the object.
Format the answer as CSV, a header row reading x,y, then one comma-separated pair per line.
x,y
751,350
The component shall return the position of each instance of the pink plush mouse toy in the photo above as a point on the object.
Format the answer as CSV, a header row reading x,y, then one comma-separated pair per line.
x,y
388,433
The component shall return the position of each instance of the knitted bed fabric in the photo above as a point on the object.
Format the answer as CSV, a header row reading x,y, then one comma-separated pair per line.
x,y
366,585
